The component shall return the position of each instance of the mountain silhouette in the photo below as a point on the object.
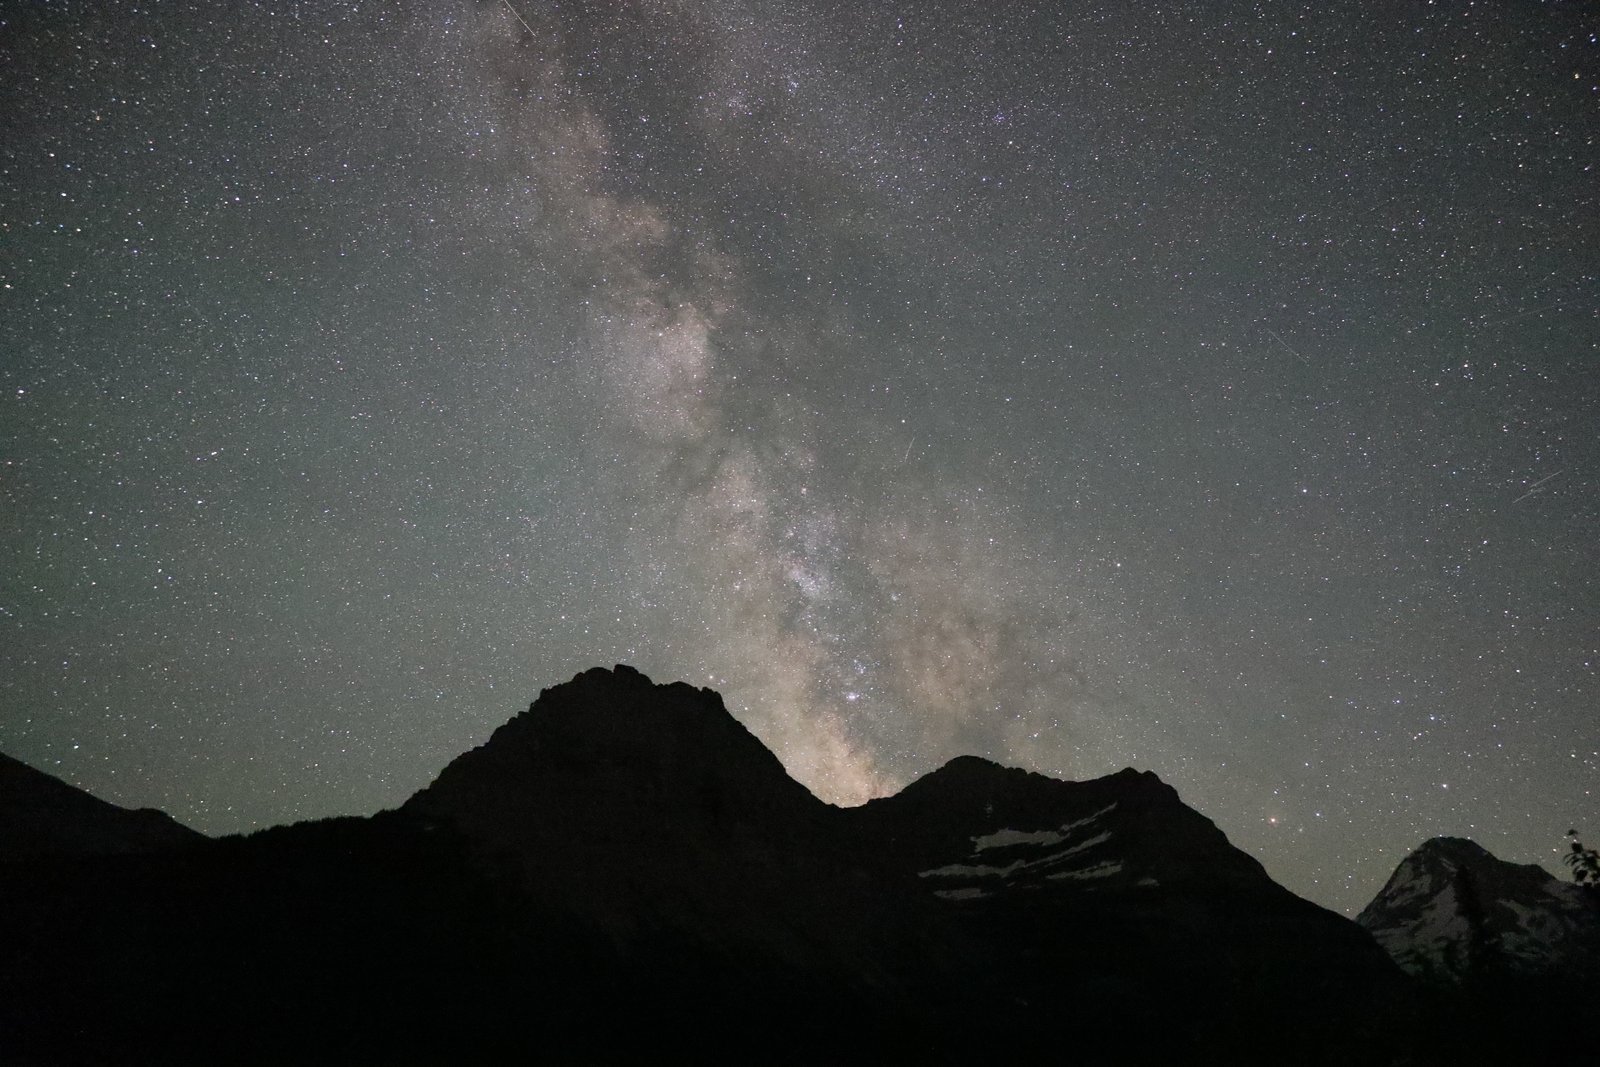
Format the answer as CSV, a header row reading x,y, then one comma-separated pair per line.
x,y
624,871
44,816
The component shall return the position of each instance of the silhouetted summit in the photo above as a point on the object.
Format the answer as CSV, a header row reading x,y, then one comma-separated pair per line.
x,y
613,748
650,815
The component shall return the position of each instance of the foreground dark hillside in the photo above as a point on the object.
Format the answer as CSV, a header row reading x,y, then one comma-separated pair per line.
x,y
42,816
624,871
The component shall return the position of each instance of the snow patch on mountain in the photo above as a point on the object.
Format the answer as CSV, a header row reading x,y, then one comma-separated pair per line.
x,y
969,870
1103,869
1008,838
1435,938
965,893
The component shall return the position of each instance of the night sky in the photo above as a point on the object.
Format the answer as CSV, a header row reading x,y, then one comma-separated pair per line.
x,y
1205,387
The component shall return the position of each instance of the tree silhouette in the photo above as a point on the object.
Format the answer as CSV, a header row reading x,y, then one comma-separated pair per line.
x,y
1585,863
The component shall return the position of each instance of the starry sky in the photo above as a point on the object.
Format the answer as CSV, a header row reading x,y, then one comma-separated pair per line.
x,y
1204,387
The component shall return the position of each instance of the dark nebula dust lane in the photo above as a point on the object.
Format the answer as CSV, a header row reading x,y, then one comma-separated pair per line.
x,y
1208,388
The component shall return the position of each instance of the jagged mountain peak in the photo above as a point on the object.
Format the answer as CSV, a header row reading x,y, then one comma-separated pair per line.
x,y
1454,850
612,754
974,828
617,723
1452,910
1441,862
968,771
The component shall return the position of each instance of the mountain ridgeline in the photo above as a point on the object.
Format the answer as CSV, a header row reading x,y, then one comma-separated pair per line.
x,y
623,871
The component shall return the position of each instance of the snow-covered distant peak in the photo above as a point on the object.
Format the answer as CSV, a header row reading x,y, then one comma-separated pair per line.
x,y
1451,909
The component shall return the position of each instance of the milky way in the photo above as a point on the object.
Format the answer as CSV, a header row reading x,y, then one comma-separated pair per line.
x,y
1209,388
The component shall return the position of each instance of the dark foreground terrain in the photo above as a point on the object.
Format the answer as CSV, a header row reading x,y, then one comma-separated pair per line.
x,y
623,872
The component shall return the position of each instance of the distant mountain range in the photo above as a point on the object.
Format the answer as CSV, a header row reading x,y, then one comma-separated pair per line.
x,y
624,872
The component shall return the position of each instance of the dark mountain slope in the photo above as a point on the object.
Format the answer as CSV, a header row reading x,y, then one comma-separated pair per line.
x,y
340,941
959,827
650,816
633,786
1116,897
43,816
